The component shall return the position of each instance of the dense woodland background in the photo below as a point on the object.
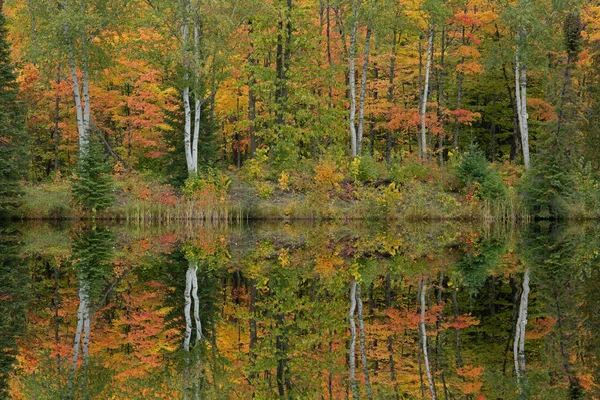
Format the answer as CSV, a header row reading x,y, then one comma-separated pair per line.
x,y
172,89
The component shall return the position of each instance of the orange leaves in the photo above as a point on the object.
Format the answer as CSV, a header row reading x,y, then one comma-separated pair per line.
x,y
472,376
464,117
404,119
541,327
470,68
461,322
541,110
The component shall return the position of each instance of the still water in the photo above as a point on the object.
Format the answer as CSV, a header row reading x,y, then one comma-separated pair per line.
x,y
300,311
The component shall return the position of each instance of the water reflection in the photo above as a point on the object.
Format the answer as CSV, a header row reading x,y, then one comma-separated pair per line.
x,y
302,311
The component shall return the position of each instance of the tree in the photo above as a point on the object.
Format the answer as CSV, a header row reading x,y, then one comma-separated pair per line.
x,y
11,128
93,184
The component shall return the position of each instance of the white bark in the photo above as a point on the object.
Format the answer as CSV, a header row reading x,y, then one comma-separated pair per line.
x,y
363,91
186,310
83,140
423,332
196,302
521,101
81,333
187,133
519,343
352,77
191,295
426,93
352,355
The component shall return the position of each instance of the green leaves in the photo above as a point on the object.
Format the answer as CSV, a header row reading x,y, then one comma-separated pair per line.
x,y
11,130
92,184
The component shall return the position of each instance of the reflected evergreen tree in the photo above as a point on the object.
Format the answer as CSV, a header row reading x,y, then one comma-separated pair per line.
x,y
11,129
13,298
93,185
549,250
92,255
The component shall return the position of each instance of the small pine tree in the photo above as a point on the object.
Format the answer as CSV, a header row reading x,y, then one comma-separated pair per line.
x,y
11,129
93,185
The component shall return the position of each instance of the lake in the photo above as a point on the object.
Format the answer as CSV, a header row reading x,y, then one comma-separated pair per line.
x,y
300,311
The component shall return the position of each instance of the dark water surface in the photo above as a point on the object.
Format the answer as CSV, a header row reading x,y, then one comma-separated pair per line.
x,y
300,311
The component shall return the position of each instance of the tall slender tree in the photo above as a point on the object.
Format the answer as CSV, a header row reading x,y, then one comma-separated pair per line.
x,y
11,127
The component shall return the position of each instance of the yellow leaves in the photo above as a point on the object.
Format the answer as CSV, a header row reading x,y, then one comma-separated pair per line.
x,y
284,181
470,68
284,258
468,52
326,265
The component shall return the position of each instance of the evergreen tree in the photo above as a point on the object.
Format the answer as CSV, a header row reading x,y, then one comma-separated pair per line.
x,y
11,129
93,184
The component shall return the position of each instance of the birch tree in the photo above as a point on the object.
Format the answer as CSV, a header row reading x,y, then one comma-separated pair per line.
x,y
423,335
519,342
352,75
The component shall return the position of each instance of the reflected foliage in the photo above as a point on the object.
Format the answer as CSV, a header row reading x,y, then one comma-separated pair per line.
x,y
315,311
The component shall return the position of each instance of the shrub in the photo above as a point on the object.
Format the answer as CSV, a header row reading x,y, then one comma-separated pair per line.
x,y
327,175
408,170
365,169
93,186
210,182
257,168
477,178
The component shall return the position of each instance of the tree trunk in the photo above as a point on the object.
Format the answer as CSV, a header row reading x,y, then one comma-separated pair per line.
x,y
352,353
352,77
363,91
423,154
423,332
521,101
363,350
519,343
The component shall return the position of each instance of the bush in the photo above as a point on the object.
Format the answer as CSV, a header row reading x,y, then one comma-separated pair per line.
x,y
366,169
327,175
208,183
408,170
477,178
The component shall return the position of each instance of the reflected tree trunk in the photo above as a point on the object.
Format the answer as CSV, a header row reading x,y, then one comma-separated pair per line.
x,y
519,342
423,332
191,293
82,334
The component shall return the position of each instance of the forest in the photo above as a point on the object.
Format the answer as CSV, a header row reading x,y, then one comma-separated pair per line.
x,y
144,109
289,199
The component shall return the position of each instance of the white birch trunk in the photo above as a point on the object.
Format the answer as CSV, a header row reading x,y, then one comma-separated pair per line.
x,y
82,332
519,342
187,134
363,91
83,140
521,101
352,77
194,266
187,308
426,93
423,332
87,113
